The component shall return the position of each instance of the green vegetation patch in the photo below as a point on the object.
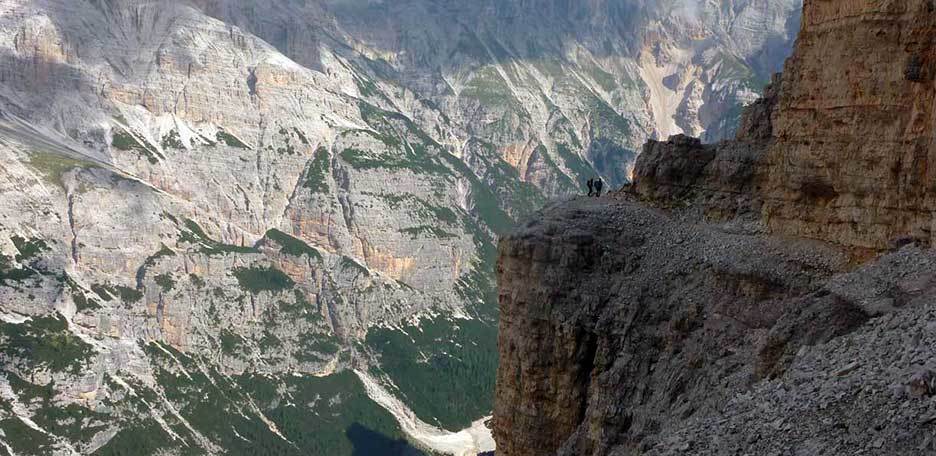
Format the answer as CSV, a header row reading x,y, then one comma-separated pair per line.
x,y
72,421
444,369
293,246
316,178
316,416
165,281
479,291
300,307
409,147
417,207
125,141
606,122
490,89
10,275
197,281
30,251
224,137
230,342
172,141
317,347
734,68
144,437
349,264
53,166
487,204
517,198
564,182
575,163
328,415
367,87
102,291
417,163
164,252
259,279
213,404
82,301
127,294
29,248
302,137
606,80
288,149
194,234
45,342
24,439
108,292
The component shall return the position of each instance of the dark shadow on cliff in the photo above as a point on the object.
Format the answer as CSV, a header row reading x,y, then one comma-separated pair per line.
x,y
37,83
368,442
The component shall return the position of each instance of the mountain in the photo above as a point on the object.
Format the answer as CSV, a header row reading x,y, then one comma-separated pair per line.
x,y
232,226
773,294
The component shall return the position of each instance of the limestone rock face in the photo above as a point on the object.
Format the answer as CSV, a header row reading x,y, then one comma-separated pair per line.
x,y
618,321
853,126
841,141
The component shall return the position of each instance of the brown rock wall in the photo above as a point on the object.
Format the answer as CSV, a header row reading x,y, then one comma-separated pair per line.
x,y
853,129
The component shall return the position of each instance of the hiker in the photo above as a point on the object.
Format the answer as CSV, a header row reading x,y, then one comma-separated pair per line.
x,y
591,185
598,185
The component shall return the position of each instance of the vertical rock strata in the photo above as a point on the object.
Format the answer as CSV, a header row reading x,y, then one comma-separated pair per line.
x,y
839,147
853,132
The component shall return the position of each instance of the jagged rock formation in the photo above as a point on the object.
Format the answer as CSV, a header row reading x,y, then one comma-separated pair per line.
x,y
854,126
646,319
839,148
767,295
625,330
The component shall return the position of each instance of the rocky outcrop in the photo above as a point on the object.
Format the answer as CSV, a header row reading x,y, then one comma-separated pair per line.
x,y
854,124
719,181
631,330
766,295
618,320
841,141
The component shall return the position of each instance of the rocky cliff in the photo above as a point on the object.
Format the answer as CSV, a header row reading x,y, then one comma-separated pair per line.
x,y
854,126
627,330
772,294
838,149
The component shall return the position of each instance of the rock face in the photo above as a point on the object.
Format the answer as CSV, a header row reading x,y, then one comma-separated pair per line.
x,y
632,330
854,124
769,294
618,320
840,146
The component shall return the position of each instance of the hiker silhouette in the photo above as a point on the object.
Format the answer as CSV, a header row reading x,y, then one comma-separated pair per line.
x,y
591,185
598,186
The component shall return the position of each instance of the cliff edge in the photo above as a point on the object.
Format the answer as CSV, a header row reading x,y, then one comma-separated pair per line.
x,y
774,294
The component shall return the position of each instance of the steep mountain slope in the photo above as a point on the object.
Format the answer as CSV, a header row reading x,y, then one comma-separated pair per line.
x,y
225,224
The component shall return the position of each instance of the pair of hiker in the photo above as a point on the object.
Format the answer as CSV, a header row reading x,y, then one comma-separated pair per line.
x,y
594,186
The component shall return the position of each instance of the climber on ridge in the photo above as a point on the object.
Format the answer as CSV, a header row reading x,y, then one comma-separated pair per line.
x,y
598,186
591,184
